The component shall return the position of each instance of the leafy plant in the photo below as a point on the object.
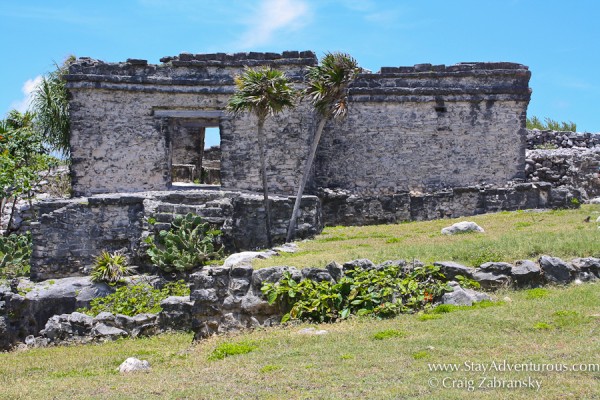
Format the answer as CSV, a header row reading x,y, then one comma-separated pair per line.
x,y
135,299
15,251
230,349
189,243
378,292
110,267
467,283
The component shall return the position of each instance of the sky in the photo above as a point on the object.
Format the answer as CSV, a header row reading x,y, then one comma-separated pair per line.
x,y
558,40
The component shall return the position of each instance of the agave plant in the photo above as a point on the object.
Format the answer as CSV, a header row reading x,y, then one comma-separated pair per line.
x,y
188,244
110,267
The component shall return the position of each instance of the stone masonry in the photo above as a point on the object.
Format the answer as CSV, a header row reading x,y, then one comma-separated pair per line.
x,y
71,233
421,128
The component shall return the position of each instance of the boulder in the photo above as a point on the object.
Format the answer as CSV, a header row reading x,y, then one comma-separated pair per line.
x,y
361,263
588,269
102,331
450,269
556,270
496,268
176,313
244,258
52,297
491,280
463,297
462,227
317,274
335,270
526,273
133,364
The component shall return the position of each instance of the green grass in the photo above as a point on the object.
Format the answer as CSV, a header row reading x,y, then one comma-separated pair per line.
x,y
509,236
344,364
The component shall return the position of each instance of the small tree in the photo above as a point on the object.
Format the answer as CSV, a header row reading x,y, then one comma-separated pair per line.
x,y
22,158
327,90
263,92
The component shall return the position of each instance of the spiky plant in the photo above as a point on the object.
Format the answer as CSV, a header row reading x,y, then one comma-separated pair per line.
x,y
110,267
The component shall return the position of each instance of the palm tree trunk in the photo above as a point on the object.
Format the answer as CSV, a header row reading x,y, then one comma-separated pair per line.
x,y
311,156
263,168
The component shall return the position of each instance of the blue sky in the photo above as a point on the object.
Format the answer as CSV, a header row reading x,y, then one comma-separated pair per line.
x,y
558,40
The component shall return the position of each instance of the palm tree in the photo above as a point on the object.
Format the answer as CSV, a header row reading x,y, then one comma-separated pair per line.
x,y
327,90
51,108
262,91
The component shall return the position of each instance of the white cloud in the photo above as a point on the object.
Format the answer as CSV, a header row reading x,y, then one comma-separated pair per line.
x,y
27,89
273,16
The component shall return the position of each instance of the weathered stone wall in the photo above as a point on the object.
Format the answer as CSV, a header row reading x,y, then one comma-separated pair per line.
x,y
428,128
578,168
71,233
546,139
344,208
230,299
122,113
419,128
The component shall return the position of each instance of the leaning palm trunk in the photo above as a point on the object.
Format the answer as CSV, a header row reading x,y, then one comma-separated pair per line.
x,y
263,169
307,167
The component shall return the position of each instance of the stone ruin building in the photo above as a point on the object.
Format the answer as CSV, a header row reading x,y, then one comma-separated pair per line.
x,y
422,142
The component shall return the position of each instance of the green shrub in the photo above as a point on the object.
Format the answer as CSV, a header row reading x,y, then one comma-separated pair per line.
x,y
420,355
550,124
188,244
110,268
388,333
380,293
230,349
136,299
15,251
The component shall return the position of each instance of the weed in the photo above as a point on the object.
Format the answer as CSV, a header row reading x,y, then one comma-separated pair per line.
x,y
428,317
536,293
231,349
388,333
270,368
420,355
542,326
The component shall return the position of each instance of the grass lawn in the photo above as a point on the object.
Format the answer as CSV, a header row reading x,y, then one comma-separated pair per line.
x,y
556,327
509,236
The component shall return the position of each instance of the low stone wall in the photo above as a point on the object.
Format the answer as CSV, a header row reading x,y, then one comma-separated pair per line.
x,y
230,299
342,208
71,233
578,168
537,139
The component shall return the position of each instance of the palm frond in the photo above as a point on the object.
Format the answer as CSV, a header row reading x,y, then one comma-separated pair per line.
x,y
327,84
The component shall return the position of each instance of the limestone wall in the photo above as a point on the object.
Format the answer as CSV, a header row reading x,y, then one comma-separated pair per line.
x,y
123,115
420,128
71,233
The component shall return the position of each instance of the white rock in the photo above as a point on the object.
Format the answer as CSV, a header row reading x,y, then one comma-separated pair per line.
x,y
595,200
462,227
245,257
598,220
132,364
312,331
